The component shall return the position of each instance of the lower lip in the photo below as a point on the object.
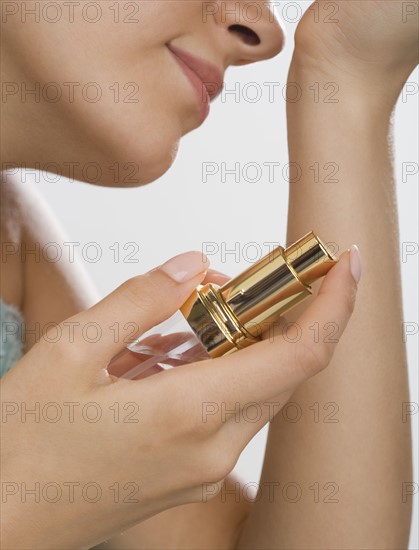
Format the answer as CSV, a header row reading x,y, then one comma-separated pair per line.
x,y
200,90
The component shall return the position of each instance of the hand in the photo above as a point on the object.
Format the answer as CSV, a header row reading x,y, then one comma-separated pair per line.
x,y
371,43
106,453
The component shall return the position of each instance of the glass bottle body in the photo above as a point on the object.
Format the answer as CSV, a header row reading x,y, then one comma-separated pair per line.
x,y
170,344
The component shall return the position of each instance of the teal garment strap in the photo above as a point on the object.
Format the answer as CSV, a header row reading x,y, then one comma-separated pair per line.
x,y
11,345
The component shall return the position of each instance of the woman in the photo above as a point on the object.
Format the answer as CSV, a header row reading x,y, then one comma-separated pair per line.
x,y
153,474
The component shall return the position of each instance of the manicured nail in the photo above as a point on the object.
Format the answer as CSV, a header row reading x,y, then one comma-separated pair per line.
x,y
355,260
185,267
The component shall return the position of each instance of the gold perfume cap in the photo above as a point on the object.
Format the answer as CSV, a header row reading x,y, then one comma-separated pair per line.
x,y
243,308
277,282
310,258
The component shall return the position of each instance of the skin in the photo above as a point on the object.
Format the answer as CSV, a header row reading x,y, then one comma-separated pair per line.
x,y
281,367
145,132
368,382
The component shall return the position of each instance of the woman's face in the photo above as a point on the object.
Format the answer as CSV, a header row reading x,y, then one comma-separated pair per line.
x,y
117,84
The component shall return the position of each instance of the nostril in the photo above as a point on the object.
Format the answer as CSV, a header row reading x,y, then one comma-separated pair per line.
x,y
247,35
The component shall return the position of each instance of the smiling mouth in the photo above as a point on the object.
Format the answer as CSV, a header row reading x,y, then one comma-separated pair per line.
x,y
206,79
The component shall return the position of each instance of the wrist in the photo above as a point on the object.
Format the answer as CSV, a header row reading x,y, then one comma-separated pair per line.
x,y
326,134
350,84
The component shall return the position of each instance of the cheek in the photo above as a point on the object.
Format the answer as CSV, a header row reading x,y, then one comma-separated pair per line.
x,y
139,143
141,122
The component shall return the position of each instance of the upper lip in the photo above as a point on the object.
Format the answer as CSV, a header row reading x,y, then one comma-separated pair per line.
x,y
209,74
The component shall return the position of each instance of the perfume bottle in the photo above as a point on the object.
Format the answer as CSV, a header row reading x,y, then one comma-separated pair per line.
x,y
217,321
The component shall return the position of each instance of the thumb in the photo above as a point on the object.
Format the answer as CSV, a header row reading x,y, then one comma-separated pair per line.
x,y
136,306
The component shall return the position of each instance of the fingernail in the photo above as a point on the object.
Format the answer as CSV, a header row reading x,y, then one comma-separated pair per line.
x,y
355,261
185,267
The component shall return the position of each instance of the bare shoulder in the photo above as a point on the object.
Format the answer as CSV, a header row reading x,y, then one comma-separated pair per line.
x,y
37,276
216,523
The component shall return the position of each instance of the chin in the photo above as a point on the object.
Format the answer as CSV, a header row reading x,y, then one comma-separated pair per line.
x,y
132,163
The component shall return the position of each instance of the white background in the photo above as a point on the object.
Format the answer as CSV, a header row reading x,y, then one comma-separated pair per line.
x,y
180,212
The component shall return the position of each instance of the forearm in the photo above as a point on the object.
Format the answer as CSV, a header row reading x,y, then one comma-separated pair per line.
x,y
366,454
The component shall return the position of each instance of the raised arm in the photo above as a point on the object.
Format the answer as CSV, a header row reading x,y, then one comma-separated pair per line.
x,y
346,459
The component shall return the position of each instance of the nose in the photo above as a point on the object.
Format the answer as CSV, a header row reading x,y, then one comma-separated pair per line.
x,y
252,32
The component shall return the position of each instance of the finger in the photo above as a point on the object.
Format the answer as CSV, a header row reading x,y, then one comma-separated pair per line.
x,y
215,277
271,367
245,421
136,306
